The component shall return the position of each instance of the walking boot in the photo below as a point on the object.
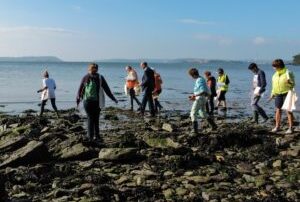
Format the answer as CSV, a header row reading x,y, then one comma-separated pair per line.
x,y
255,117
195,129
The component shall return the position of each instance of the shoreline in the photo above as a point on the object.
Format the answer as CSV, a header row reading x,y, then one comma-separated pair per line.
x,y
144,159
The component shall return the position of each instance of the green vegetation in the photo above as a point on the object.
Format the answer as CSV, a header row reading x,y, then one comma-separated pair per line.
x,y
296,60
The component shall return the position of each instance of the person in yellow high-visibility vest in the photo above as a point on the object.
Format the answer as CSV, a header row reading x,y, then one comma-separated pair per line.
x,y
282,82
223,83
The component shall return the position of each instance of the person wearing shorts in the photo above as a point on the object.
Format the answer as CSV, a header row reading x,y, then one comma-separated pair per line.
x,y
282,82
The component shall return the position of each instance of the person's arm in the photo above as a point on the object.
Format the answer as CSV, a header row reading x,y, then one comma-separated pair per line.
x,y
44,87
145,79
54,85
263,82
80,90
107,89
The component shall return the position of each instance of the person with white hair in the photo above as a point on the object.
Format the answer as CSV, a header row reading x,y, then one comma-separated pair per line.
x,y
48,92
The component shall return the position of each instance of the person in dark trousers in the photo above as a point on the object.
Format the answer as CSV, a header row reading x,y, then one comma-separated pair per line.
x,y
223,85
48,92
157,91
259,87
211,83
148,85
131,82
91,91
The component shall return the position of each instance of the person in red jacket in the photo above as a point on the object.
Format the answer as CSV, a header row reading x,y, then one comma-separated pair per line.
x,y
157,91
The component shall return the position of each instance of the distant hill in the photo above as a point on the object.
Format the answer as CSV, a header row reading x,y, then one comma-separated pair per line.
x,y
296,60
31,59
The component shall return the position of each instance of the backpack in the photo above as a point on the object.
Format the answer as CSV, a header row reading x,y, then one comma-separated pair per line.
x,y
91,91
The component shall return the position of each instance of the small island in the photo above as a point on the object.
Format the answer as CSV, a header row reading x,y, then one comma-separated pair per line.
x,y
31,59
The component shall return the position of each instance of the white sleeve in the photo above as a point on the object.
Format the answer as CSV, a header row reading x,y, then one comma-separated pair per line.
x,y
44,83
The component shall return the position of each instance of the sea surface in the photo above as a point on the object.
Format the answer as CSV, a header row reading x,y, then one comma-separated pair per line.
x,y
19,83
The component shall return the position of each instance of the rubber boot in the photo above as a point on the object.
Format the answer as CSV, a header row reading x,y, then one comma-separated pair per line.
x,y
212,123
195,128
255,117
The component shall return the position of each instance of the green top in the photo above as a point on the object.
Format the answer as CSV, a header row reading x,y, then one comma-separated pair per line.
x,y
282,81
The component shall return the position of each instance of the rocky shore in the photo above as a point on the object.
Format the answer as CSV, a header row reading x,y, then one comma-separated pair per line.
x,y
144,160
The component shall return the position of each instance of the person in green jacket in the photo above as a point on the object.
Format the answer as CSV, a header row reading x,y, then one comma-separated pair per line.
x,y
223,84
282,82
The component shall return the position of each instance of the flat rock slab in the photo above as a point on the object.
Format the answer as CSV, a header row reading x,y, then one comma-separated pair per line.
x,y
77,152
13,143
162,143
34,151
117,154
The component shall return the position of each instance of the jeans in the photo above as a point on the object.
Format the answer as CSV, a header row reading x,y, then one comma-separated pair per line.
x,y
147,98
133,97
257,108
92,110
199,109
44,103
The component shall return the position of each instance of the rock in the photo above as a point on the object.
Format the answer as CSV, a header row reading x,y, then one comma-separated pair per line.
x,y
244,168
78,152
249,178
117,154
33,152
277,164
162,143
290,152
168,127
12,143
169,193
198,179
181,191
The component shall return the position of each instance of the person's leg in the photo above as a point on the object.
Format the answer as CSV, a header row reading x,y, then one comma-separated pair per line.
x,y
290,119
151,104
144,103
135,98
155,104
43,107
193,115
261,111
131,93
54,106
278,118
97,124
255,107
90,122
211,105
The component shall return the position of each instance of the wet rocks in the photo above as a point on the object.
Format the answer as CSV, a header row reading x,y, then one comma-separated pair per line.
x,y
144,159
118,154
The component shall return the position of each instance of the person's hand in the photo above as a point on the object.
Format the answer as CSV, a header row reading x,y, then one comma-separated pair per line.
x,y
39,91
192,97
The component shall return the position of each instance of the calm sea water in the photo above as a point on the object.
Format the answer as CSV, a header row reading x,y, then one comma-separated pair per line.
x,y
20,81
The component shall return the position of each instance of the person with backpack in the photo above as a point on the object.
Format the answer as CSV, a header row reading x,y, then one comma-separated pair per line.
x,y
259,87
211,83
48,92
283,81
148,85
131,83
157,91
91,91
223,84
199,98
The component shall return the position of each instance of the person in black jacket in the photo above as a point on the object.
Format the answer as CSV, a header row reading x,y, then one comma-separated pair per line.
x,y
211,83
91,91
259,87
148,85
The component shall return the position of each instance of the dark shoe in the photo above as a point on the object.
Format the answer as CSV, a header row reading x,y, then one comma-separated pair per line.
x,y
195,128
265,120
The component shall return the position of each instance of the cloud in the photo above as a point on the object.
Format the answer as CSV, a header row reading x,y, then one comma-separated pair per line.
x,y
220,40
195,22
259,40
29,29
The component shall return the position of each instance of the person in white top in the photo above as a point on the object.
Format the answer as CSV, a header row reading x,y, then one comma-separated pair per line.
x,y
48,92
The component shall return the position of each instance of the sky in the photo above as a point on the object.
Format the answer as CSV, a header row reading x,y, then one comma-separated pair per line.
x,y
85,30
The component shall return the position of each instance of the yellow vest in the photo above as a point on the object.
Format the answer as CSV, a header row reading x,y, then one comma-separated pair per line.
x,y
280,83
222,79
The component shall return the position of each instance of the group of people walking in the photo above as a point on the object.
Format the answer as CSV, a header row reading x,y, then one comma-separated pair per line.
x,y
93,88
